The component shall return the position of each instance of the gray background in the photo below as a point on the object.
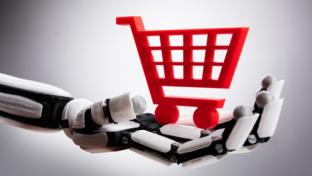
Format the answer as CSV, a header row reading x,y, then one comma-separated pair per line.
x,y
77,46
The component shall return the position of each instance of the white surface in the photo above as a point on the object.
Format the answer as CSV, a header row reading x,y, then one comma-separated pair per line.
x,y
31,85
195,144
152,156
182,131
152,140
200,162
240,132
269,118
20,106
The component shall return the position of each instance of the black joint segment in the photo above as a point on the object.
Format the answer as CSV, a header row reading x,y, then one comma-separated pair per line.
x,y
263,140
146,117
120,138
90,125
126,138
203,134
107,112
173,155
228,127
64,124
215,151
169,156
174,148
114,139
257,109
148,122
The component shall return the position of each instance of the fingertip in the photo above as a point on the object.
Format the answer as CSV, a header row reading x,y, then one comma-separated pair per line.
x,y
139,104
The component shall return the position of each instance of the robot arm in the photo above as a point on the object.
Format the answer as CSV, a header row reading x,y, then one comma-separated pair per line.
x,y
41,107
31,105
119,122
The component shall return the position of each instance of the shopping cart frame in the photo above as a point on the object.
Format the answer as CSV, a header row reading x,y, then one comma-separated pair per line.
x,y
167,105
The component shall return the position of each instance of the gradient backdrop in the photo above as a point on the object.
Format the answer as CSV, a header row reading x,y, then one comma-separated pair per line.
x,y
77,46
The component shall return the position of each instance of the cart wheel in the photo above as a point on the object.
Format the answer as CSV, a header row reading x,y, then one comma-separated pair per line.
x,y
165,114
206,118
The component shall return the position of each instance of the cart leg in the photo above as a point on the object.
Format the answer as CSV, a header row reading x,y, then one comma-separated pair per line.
x,y
165,114
206,117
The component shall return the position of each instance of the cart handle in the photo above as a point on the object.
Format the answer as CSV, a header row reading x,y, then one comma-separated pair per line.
x,y
135,22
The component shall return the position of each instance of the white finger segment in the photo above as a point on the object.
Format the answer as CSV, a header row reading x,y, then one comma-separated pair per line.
x,y
181,131
241,131
194,145
269,118
276,88
121,108
153,141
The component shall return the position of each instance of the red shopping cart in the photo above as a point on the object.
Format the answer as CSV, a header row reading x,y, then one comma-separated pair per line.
x,y
206,115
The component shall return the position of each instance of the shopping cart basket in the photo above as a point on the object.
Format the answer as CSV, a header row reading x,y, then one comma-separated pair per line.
x,y
205,116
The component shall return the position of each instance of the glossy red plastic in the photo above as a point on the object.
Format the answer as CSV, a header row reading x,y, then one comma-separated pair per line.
x,y
205,116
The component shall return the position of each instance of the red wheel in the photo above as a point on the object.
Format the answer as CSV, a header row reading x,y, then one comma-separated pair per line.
x,y
165,114
206,118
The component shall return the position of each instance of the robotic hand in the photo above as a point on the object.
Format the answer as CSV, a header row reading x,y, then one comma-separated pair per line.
x,y
120,123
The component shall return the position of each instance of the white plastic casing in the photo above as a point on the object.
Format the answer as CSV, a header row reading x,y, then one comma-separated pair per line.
x,y
32,85
182,131
121,108
152,140
20,106
269,118
276,88
241,131
194,145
